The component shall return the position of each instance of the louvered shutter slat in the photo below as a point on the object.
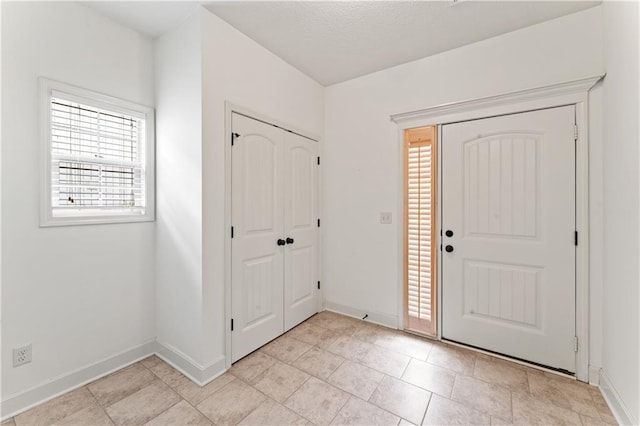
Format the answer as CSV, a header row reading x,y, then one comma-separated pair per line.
x,y
97,158
419,232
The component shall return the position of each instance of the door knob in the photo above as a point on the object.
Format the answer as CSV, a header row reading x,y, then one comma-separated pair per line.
x,y
449,233
448,249
281,242
289,240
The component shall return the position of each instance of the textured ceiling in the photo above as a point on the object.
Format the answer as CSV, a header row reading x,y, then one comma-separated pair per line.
x,y
152,18
333,41
337,41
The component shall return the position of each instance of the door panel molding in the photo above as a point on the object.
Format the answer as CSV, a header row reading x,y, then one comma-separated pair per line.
x,y
300,227
230,110
492,282
575,92
257,261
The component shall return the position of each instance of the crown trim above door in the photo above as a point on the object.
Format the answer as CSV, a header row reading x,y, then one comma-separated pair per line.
x,y
575,92
568,92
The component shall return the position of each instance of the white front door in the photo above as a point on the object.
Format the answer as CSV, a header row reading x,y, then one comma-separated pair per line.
x,y
508,200
300,229
256,258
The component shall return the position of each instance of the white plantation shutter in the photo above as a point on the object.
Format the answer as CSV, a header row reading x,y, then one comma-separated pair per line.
x,y
419,220
97,159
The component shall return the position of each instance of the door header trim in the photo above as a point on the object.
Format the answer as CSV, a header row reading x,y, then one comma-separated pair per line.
x,y
536,98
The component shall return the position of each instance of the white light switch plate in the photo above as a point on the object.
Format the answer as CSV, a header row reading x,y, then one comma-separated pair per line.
x,y
385,218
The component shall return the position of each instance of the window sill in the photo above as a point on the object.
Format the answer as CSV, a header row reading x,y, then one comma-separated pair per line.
x,y
93,220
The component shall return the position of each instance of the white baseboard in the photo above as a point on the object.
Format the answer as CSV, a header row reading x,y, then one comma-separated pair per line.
x,y
616,404
22,401
213,370
594,375
180,361
201,375
374,317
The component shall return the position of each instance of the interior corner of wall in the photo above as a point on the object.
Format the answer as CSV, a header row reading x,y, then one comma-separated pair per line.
x,y
617,405
196,372
594,375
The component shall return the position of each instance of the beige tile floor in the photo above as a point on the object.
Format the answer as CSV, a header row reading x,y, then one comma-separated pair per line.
x,y
334,370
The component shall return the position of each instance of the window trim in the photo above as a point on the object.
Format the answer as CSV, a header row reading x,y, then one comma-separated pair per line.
x,y
47,87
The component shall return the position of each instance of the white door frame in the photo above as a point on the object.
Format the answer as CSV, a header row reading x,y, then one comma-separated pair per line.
x,y
231,108
569,93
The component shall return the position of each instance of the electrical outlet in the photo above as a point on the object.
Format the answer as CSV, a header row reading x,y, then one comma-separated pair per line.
x,y
385,218
22,355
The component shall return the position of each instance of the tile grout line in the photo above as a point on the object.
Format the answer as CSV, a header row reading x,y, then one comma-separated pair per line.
x,y
102,407
456,374
407,384
377,386
218,390
405,369
513,416
277,402
296,389
476,358
143,388
453,387
161,413
341,407
424,415
193,406
478,409
349,333
286,399
377,406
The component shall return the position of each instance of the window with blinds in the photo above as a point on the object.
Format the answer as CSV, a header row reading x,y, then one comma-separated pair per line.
x,y
98,159
420,239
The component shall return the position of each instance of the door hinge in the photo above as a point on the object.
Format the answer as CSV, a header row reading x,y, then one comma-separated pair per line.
x,y
318,161
575,238
318,285
575,343
233,137
232,232
575,132
318,223
231,324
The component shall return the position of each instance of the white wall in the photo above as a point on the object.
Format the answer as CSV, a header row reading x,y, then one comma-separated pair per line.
x,y
362,150
621,357
238,70
201,65
179,189
79,294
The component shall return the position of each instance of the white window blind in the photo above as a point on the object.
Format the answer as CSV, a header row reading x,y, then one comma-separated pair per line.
x,y
97,158
420,203
97,151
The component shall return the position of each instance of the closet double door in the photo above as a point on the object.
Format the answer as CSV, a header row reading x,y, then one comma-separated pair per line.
x,y
274,246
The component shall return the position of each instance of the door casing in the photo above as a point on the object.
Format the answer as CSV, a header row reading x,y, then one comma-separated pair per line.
x,y
231,108
569,93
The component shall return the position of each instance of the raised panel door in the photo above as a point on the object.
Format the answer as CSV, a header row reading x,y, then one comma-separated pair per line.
x,y
508,194
257,261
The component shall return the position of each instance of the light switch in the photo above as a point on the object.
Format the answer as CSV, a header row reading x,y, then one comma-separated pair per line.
x,y
385,218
